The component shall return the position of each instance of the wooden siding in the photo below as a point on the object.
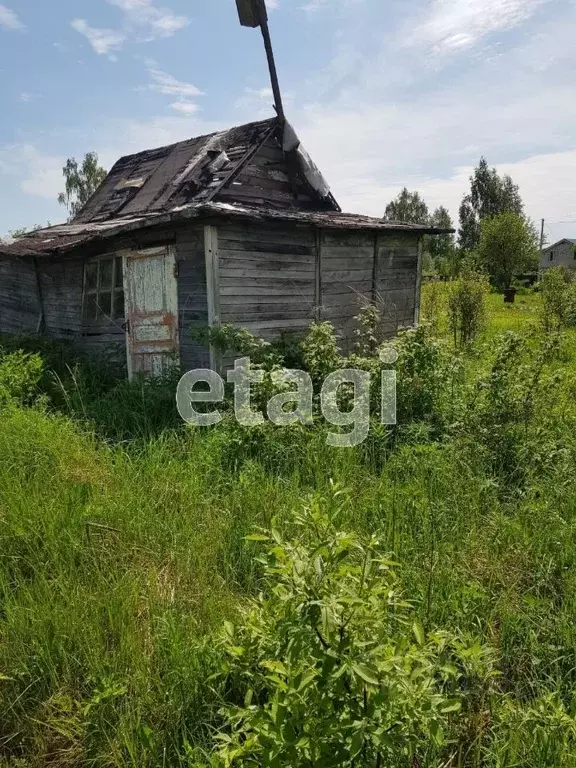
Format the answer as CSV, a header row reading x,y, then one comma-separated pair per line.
x,y
396,280
192,298
279,279
346,278
267,278
61,288
20,310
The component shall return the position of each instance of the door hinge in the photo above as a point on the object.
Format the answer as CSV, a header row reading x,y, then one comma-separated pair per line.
x,y
176,270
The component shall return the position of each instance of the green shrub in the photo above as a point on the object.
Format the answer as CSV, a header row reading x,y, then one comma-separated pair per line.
x,y
20,373
467,306
330,667
558,307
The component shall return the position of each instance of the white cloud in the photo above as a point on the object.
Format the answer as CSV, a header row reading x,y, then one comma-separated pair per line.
x,y
25,96
8,19
272,5
103,41
158,21
164,83
36,173
186,107
453,25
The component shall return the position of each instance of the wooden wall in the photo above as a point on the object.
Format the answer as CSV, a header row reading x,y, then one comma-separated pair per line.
x,y
192,296
279,278
19,302
267,277
397,280
272,278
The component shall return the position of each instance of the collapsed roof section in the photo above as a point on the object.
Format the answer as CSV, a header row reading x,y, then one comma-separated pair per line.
x,y
199,170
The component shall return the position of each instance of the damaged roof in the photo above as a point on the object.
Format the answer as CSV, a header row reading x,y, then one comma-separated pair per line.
x,y
67,237
184,181
191,171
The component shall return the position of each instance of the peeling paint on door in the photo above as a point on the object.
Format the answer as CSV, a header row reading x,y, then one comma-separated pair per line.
x,y
151,295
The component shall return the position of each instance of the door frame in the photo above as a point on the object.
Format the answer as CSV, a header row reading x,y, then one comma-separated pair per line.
x,y
142,253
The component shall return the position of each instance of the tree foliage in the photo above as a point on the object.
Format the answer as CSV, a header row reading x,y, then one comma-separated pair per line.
x,y
490,195
81,182
441,245
507,247
408,207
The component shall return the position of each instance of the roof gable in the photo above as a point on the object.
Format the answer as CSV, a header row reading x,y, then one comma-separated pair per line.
x,y
203,169
569,240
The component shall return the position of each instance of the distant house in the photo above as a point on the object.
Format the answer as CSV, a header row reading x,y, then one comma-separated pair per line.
x,y
561,253
235,227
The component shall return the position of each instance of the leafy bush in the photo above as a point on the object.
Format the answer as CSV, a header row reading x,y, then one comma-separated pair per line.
x,y
330,667
433,302
467,305
20,373
320,353
558,307
369,334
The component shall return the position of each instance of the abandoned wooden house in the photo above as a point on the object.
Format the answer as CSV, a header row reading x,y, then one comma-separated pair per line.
x,y
236,227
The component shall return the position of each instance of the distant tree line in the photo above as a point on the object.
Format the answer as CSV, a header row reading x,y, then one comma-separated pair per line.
x,y
494,233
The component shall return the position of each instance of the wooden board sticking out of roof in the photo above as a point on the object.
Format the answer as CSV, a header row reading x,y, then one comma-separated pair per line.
x,y
251,12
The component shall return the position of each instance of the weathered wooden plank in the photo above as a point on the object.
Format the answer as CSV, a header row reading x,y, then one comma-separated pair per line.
x,y
347,239
271,235
265,256
336,263
265,315
265,299
346,275
281,272
270,290
213,286
341,288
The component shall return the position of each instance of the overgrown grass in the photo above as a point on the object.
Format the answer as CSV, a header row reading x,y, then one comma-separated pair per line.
x,y
123,550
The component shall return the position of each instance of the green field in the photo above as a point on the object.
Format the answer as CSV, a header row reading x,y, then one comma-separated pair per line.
x,y
123,551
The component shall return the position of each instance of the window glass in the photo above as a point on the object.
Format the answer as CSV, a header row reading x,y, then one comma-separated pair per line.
x,y
103,293
119,305
106,275
105,304
118,272
92,276
90,307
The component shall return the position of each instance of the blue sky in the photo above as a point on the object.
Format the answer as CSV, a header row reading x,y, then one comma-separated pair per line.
x,y
383,93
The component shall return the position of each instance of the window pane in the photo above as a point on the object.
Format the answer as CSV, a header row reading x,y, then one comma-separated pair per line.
x,y
91,273
106,274
118,273
119,305
105,304
90,308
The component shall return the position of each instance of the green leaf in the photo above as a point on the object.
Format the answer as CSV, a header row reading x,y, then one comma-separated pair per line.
x,y
418,630
369,674
450,705
256,537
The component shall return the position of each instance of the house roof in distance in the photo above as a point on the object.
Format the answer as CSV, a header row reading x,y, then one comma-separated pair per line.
x,y
570,240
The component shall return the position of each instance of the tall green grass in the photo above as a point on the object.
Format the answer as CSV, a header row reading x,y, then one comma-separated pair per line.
x,y
123,549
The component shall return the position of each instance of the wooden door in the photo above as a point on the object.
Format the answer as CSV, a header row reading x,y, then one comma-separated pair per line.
x,y
151,297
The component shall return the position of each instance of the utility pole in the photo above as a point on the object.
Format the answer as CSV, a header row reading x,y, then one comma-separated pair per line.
x,y
542,237
253,13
